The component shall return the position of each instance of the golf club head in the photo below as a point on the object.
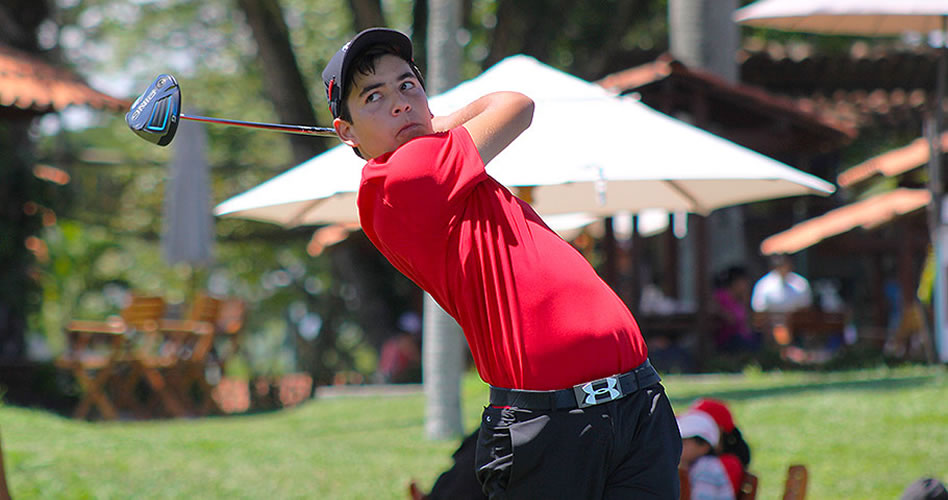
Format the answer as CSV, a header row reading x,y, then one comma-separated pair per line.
x,y
154,115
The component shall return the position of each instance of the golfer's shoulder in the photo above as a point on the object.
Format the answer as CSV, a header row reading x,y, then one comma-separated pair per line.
x,y
437,144
433,152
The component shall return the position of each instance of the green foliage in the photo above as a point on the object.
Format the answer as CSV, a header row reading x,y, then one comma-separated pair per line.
x,y
108,242
27,203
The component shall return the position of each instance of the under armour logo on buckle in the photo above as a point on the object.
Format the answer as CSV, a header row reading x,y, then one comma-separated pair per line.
x,y
599,391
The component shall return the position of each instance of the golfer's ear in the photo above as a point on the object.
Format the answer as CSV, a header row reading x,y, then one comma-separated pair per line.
x,y
345,132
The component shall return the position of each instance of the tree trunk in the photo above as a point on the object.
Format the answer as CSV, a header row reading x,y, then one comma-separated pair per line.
x,y
520,30
282,77
702,35
366,14
419,32
17,287
356,262
442,347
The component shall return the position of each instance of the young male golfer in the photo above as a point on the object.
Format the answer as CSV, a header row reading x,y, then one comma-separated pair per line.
x,y
576,411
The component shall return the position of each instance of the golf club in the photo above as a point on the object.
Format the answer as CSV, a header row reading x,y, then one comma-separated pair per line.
x,y
155,114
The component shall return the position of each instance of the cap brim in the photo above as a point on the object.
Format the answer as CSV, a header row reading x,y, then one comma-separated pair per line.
x,y
698,424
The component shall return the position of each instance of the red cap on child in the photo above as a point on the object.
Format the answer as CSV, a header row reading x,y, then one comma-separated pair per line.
x,y
718,411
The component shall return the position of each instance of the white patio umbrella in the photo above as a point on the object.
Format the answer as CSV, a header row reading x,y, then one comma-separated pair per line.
x,y
587,151
875,18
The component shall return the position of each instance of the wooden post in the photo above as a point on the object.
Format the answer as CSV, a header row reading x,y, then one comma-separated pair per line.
x,y
609,264
670,260
702,290
635,257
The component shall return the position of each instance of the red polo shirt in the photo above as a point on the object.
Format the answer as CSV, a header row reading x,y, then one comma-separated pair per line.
x,y
535,313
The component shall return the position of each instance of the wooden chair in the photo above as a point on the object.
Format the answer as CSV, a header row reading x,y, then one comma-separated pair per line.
x,y
4,490
814,324
685,484
205,308
748,487
225,346
96,351
189,342
143,312
205,342
153,360
795,487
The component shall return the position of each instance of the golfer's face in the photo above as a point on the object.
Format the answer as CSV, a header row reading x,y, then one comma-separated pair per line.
x,y
388,107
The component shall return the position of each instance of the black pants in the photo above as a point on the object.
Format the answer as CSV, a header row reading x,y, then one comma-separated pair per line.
x,y
628,448
459,482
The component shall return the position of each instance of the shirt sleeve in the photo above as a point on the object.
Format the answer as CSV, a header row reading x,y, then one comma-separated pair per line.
x,y
430,175
759,296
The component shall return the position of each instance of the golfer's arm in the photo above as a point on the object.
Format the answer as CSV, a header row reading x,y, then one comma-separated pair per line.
x,y
493,121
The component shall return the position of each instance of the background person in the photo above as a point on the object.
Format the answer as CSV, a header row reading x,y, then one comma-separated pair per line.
x,y
781,290
731,307
732,440
573,400
707,475
732,450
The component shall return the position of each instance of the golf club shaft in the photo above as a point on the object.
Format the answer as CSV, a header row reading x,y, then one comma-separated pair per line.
x,y
276,127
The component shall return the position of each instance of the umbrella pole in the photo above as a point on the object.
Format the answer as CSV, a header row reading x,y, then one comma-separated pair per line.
x,y
939,227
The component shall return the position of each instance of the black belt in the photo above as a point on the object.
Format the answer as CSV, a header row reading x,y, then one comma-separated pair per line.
x,y
581,395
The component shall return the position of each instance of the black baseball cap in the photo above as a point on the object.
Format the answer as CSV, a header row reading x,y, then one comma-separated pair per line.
x,y
337,70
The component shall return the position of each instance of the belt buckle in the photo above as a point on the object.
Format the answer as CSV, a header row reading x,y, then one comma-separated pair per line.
x,y
597,392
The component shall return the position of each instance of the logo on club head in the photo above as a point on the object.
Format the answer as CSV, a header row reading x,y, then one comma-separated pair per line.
x,y
141,105
160,83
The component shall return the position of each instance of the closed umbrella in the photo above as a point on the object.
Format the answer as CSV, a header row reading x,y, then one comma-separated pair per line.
x,y
188,229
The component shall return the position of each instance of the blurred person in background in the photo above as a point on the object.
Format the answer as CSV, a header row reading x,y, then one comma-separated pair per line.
x,y
708,478
781,290
731,308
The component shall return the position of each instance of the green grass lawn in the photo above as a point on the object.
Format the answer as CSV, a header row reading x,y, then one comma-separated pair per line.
x,y
862,434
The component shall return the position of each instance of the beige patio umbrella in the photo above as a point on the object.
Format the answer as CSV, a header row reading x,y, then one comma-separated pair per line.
x,y
846,17
877,18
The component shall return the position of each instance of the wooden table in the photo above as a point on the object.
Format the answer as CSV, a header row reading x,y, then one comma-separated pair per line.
x,y
109,359
94,351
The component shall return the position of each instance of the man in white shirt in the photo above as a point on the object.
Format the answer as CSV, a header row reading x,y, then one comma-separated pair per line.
x,y
781,290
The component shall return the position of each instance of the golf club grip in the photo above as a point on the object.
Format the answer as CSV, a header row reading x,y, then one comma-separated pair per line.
x,y
276,127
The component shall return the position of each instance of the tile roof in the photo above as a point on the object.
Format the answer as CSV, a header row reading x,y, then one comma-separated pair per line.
x,y
31,84
887,84
880,107
799,68
868,213
893,162
666,66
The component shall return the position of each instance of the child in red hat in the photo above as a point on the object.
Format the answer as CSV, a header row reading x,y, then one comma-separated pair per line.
x,y
732,450
708,476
